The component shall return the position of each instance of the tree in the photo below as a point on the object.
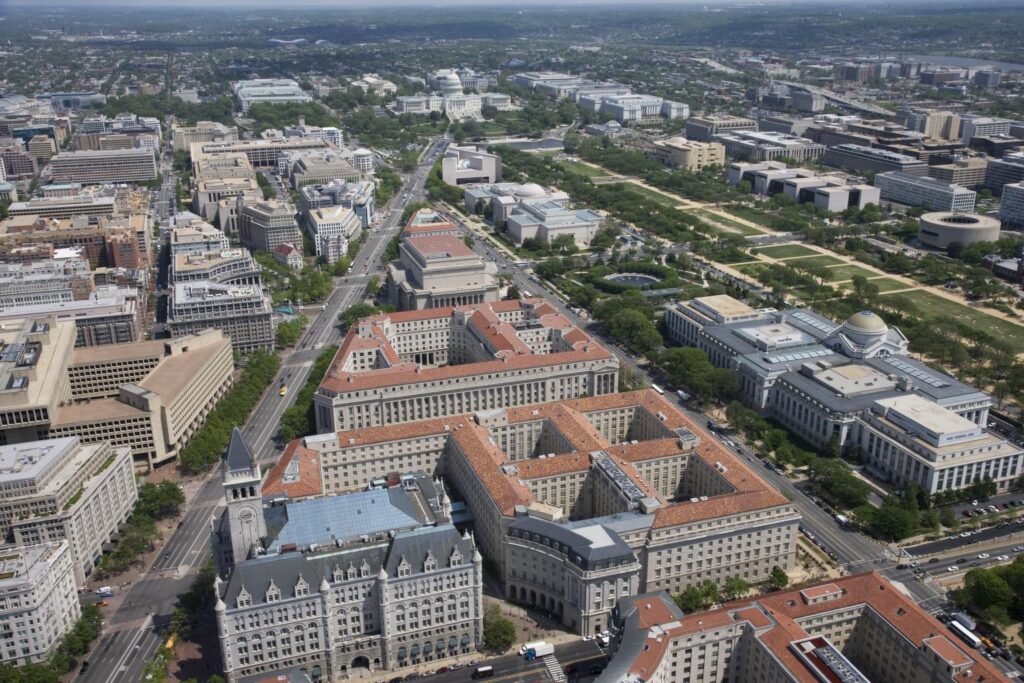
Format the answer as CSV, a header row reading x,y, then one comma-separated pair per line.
x,y
690,600
499,632
778,579
356,312
735,587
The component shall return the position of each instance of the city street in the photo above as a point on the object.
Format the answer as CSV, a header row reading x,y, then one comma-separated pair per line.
x,y
133,630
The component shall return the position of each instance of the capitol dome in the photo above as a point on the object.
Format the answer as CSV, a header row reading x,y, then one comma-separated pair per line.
x,y
530,190
449,84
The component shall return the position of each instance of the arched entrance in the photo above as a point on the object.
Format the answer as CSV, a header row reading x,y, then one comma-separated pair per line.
x,y
360,668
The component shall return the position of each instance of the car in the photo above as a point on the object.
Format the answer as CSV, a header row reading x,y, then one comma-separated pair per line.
x,y
1002,558
952,568
983,556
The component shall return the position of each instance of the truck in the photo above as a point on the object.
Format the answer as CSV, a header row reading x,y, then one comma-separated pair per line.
x,y
539,649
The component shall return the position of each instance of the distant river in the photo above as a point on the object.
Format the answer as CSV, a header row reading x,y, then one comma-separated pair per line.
x,y
965,62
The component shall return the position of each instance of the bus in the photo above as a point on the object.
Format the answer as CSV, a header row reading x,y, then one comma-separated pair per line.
x,y
658,389
483,672
965,635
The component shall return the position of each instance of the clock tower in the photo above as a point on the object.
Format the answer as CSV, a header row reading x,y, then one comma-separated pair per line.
x,y
242,481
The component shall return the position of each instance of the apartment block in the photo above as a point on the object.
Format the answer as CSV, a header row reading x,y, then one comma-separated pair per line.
x,y
105,166
241,312
932,194
64,490
689,155
414,365
40,603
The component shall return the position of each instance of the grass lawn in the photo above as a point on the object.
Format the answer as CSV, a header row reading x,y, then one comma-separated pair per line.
x,y
927,305
781,251
846,272
815,261
577,168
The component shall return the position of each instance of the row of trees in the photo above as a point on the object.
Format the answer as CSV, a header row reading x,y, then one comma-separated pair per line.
x,y
708,593
298,419
208,444
156,502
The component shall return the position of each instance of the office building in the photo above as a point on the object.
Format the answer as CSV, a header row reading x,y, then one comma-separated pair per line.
x,y
1011,206
933,123
204,131
820,379
109,315
332,228
350,585
268,91
940,229
633,107
766,146
969,173
148,396
973,126
318,166
241,312
63,490
705,128
226,267
265,224
196,237
328,134
375,84
358,196
108,166
580,503
469,166
437,271
40,603
932,194
63,278
264,154
484,356
688,155
861,159
18,163
854,629
1001,172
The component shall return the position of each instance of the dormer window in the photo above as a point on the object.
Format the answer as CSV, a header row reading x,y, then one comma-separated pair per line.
x,y
301,587
273,592
243,599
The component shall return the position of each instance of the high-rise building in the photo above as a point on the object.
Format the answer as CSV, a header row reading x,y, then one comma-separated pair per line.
x,y
105,166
